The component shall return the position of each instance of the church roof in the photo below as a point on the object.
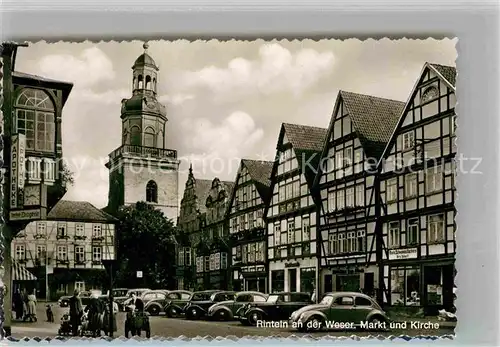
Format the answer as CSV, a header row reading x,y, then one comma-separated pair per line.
x,y
144,59
139,103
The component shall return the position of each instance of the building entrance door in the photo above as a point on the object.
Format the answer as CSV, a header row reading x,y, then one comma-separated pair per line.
x,y
292,280
261,285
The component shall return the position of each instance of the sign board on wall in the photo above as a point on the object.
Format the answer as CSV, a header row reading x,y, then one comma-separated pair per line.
x,y
139,274
25,214
405,253
18,170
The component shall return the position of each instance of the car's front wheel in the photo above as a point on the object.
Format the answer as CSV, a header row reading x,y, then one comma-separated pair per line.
x,y
315,323
254,317
154,310
193,313
221,315
173,312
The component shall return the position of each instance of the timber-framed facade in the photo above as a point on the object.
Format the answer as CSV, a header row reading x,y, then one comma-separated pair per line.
x,y
291,213
247,229
68,248
418,194
360,128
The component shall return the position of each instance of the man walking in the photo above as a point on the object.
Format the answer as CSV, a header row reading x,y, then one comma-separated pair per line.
x,y
75,311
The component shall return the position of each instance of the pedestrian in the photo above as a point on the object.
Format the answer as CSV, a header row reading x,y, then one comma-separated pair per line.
x,y
138,303
17,300
32,307
75,311
24,297
94,309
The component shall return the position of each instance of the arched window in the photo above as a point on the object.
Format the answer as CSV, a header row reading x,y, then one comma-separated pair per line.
x,y
135,136
140,82
152,192
134,86
160,143
149,137
125,137
35,117
154,84
148,82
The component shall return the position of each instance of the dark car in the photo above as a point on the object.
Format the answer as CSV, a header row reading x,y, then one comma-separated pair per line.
x,y
199,303
84,296
349,309
171,304
226,310
148,296
279,306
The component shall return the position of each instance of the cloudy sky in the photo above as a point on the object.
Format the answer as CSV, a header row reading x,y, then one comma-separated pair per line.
x,y
224,100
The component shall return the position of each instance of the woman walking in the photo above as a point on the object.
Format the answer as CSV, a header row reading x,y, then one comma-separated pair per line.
x,y
18,304
32,307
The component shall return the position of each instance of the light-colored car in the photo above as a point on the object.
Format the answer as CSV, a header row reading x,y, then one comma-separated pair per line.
x,y
343,311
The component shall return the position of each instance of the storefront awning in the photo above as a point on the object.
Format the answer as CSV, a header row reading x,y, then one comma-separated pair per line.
x,y
19,273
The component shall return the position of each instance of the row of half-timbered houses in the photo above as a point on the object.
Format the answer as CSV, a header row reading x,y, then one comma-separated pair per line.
x,y
365,204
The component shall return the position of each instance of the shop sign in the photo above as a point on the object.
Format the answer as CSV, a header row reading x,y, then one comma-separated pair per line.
x,y
17,170
295,264
404,253
25,214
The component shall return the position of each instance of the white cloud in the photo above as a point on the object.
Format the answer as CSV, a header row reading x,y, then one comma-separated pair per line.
x,y
175,99
217,148
90,68
91,179
276,70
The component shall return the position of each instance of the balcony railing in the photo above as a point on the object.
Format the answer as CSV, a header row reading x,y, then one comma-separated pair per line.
x,y
152,152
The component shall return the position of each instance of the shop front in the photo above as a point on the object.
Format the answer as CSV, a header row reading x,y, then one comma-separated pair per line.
x,y
424,283
293,276
348,274
254,278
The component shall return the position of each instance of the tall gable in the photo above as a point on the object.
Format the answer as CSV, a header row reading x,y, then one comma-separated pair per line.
x,y
374,120
307,143
260,173
432,94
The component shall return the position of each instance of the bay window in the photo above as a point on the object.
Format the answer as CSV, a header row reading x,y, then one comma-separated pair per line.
x,y
35,117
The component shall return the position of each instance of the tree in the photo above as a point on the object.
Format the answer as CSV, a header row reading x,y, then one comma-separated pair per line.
x,y
145,243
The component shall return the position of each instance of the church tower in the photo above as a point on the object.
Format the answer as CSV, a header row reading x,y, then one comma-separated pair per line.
x,y
142,169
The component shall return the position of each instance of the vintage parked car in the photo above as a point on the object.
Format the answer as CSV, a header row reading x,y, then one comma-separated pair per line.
x,y
148,295
348,309
199,303
171,303
85,296
279,306
226,310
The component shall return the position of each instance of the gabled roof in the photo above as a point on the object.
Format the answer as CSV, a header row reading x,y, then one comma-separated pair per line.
x,y
307,143
260,173
374,120
202,190
22,77
80,211
446,73
449,73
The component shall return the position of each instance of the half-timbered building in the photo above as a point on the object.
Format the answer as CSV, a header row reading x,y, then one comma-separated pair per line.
x,y
189,225
67,248
213,250
418,194
360,128
247,228
291,213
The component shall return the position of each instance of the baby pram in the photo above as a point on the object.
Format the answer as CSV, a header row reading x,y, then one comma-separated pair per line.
x,y
84,326
65,328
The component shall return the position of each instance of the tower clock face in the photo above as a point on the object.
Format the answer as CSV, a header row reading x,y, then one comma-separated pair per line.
x,y
31,195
